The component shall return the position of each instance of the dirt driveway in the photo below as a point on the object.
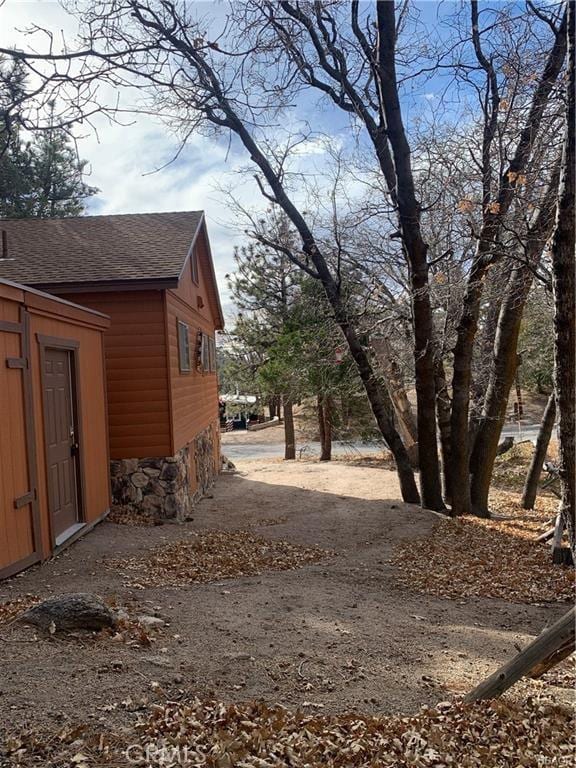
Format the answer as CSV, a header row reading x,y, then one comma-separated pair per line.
x,y
337,635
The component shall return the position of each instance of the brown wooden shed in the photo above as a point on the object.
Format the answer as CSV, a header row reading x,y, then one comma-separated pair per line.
x,y
54,482
153,275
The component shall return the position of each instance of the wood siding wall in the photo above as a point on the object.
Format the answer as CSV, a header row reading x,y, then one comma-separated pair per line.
x,y
25,526
136,368
91,394
16,524
194,395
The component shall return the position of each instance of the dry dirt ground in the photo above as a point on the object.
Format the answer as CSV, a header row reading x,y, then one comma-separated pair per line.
x,y
338,635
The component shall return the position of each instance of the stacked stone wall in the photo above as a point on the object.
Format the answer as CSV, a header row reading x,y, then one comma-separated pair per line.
x,y
204,459
153,490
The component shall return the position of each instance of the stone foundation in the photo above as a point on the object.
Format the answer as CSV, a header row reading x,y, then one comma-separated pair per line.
x,y
148,491
205,453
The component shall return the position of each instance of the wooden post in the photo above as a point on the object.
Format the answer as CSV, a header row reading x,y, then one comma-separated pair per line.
x,y
554,644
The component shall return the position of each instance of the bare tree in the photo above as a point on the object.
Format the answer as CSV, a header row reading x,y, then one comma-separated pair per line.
x,y
563,244
357,71
496,202
504,362
241,83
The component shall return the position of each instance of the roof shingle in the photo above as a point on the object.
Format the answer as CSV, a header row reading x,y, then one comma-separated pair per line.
x,y
94,249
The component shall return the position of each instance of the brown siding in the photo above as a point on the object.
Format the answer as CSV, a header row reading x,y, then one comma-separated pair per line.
x,y
194,395
16,527
25,532
90,381
137,377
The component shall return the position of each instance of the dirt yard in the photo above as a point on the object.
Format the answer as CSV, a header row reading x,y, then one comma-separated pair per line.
x,y
339,633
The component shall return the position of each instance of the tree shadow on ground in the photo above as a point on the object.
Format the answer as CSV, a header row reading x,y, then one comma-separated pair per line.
x,y
341,633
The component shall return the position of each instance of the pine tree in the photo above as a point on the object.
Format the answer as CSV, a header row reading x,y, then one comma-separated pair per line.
x,y
60,189
41,177
266,284
286,334
16,159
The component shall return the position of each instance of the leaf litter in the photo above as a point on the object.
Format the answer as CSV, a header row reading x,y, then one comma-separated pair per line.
x,y
504,733
11,609
495,558
214,555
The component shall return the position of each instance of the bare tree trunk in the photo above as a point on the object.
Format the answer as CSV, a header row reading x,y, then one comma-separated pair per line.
x,y
489,248
417,255
274,406
519,401
544,435
504,365
382,409
565,300
325,426
289,437
498,283
553,645
493,417
461,381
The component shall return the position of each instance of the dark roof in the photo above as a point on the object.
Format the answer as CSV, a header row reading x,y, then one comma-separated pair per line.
x,y
145,247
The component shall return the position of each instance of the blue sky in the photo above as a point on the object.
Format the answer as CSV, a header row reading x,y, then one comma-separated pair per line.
x,y
122,158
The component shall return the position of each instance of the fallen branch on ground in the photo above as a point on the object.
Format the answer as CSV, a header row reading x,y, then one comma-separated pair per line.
x,y
548,649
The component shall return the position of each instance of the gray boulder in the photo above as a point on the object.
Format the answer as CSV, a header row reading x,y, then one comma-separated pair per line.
x,y
70,612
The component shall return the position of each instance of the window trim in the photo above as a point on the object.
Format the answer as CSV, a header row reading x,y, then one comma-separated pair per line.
x,y
212,343
183,338
205,352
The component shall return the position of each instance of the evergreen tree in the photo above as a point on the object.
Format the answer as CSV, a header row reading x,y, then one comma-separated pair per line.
x,y
59,184
286,344
41,177
16,159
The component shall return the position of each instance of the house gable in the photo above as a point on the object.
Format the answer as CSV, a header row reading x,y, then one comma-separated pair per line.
x,y
194,303
197,283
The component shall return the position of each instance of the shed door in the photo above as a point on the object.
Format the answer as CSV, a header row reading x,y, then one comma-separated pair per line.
x,y
60,441
19,525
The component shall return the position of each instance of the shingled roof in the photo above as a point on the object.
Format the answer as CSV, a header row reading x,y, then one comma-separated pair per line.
x,y
132,249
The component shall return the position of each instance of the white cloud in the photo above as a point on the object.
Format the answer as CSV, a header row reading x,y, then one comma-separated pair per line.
x,y
122,157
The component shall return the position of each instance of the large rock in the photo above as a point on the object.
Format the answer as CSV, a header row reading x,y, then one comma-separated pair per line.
x,y
140,479
169,472
151,505
70,612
